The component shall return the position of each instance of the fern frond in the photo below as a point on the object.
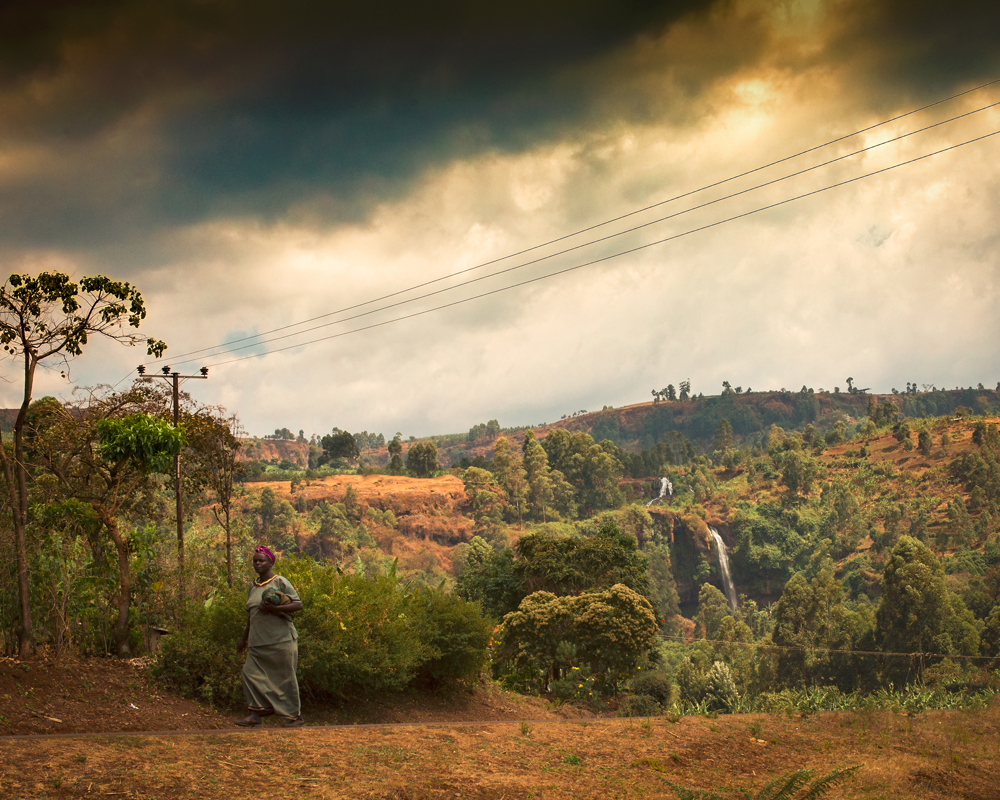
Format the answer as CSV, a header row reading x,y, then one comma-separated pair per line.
x,y
785,786
822,785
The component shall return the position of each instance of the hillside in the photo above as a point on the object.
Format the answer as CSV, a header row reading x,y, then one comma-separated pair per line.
x,y
276,450
893,488
641,425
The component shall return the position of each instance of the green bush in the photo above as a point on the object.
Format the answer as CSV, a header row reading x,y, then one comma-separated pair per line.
x,y
201,659
653,683
357,636
638,705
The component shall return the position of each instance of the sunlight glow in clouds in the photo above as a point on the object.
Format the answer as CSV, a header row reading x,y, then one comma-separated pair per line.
x,y
260,219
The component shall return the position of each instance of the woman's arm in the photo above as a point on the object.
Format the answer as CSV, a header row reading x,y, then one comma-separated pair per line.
x,y
285,608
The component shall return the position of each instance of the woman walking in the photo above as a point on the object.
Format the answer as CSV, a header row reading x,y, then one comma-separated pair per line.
x,y
271,642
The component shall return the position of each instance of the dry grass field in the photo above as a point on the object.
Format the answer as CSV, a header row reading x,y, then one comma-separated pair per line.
x,y
931,756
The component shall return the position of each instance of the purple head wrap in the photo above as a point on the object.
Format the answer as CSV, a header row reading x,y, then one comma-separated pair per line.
x,y
262,548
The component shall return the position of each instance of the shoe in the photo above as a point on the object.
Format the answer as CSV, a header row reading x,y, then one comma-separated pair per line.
x,y
293,722
251,721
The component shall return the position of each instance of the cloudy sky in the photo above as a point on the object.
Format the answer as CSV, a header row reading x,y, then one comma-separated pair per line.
x,y
335,173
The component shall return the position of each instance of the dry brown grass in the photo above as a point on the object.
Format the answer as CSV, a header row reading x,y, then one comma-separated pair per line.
x,y
931,756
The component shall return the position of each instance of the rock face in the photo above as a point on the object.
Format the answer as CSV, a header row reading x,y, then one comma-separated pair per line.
x,y
266,449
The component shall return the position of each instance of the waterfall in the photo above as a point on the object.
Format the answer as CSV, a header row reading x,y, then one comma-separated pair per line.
x,y
666,490
727,579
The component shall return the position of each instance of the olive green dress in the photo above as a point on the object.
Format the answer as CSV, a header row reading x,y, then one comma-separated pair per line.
x,y
269,682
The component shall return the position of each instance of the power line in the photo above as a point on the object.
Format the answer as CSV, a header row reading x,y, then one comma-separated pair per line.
x,y
633,229
592,227
839,651
612,256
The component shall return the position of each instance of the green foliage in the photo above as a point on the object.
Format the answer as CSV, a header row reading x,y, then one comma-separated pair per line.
x,y
639,705
713,607
692,681
422,459
488,502
150,442
484,432
811,624
200,659
654,684
357,636
338,444
591,469
395,448
784,787
610,631
799,471
721,693
917,613
771,541
489,577
563,565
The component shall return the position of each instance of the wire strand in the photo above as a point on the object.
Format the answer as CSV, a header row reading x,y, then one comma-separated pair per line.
x,y
587,229
841,651
597,241
612,256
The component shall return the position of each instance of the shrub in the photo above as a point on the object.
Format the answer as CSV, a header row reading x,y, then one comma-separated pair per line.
x,y
720,692
691,682
638,705
201,659
654,684
357,636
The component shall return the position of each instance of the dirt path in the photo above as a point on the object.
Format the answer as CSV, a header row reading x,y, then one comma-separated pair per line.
x,y
118,696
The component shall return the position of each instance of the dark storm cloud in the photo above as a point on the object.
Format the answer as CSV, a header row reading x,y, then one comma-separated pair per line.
x,y
251,107
922,48
144,115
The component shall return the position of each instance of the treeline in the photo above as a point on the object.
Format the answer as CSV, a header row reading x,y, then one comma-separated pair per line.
x,y
753,414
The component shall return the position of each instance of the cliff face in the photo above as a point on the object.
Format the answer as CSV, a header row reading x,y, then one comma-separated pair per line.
x,y
267,449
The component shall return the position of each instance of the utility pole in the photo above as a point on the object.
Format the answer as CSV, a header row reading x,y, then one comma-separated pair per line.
x,y
175,378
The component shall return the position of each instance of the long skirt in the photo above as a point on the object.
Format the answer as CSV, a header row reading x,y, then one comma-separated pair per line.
x,y
269,682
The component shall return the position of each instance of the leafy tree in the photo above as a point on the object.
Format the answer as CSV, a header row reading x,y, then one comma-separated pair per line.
x,y
338,444
422,459
811,624
511,475
610,631
274,515
484,432
44,318
662,586
487,501
539,477
712,608
769,543
103,455
591,469
723,436
396,455
917,614
489,577
564,565
798,471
